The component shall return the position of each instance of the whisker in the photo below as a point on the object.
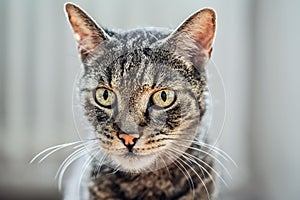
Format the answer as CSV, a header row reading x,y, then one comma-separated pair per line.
x,y
117,168
196,175
183,170
84,168
192,157
81,149
54,148
191,161
166,166
213,148
71,155
209,154
217,150
98,167
74,156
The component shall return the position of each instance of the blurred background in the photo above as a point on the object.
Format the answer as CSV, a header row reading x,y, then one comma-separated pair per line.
x,y
256,51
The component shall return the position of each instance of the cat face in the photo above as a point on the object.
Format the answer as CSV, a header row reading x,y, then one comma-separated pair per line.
x,y
143,91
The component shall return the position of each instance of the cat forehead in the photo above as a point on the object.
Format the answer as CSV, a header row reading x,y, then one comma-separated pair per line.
x,y
133,73
132,60
136,69
124,43
141,37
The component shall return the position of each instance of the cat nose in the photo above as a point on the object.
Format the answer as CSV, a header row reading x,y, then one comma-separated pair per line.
x,y
129,140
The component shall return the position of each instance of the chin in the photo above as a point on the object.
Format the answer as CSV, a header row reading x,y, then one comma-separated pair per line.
x,y
134,163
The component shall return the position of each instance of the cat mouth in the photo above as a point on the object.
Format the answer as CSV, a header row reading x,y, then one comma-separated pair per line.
x,y
133,162
130,154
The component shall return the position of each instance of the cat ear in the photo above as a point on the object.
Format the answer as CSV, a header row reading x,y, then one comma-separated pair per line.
x,y
194,37
87,33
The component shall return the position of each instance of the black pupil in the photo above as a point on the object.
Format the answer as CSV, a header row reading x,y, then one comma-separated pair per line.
x,y
105,94
163,95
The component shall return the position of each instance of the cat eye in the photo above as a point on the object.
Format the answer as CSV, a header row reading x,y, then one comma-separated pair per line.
x,y
105,97
163,98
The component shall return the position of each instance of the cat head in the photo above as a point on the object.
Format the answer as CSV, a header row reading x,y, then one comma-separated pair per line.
x,y
143,91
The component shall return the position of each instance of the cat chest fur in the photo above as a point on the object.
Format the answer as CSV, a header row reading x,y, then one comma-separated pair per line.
x,y
172,183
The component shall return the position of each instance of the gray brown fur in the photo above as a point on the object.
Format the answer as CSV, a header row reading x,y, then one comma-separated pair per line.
x,y
163,184
134,65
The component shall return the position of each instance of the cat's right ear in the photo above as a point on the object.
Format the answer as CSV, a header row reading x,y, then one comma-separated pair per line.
x,y
87,33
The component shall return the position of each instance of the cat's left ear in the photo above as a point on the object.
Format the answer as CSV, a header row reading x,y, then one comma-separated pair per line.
x,y
88,34
195,36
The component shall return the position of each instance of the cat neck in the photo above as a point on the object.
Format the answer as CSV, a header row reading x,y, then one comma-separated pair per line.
x,y
172,182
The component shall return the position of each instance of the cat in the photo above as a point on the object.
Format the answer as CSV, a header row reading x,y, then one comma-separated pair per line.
x,y
143,93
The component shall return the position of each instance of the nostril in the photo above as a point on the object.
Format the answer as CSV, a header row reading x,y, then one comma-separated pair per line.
x,y
134,140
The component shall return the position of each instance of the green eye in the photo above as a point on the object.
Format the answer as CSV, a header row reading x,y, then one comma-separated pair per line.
x,y
163,98
105,97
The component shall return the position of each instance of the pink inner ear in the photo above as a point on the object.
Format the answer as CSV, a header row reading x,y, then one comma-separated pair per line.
x,y
201,27
84,34
205,38
87,33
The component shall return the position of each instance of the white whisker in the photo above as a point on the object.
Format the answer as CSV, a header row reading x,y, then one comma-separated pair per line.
x,y
166,166
195,172
209,154
69,160
54,148
84,168
53,151
72,157
192,159
217,150
117,168
213,148
184,171
98,167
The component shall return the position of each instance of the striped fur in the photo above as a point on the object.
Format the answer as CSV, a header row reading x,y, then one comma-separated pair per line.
x,y
164,163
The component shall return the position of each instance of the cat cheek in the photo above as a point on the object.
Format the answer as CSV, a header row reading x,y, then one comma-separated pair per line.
x,y
158,119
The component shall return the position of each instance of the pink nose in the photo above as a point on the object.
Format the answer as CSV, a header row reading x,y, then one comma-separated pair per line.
x,y
129,139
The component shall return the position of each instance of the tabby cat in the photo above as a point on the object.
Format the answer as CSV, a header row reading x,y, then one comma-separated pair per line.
x,y
143,95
